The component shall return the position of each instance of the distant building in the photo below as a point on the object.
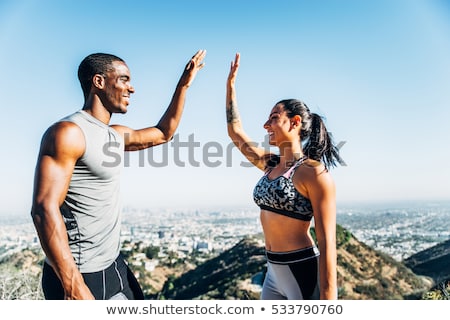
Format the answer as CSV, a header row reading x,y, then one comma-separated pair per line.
x,y
203,246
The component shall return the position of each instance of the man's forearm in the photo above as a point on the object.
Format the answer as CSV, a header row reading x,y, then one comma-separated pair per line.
x,y
53,237
171,118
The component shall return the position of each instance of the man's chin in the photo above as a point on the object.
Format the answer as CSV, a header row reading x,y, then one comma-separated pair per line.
x,y
122,110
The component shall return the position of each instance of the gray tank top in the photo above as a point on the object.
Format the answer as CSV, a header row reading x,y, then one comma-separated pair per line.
x,y
92,206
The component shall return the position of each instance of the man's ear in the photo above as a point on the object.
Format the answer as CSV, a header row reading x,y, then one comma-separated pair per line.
x,y
98,81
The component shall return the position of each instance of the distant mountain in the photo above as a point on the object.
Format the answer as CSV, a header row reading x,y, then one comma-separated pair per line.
x,y
433,262
363,274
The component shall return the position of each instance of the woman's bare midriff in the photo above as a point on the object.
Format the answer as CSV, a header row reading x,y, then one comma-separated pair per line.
x,y
282,233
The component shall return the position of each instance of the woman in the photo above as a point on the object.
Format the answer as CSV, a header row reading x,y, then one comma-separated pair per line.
x,y
295,188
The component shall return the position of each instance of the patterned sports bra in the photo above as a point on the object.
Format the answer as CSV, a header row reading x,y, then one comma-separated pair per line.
x,y
280,196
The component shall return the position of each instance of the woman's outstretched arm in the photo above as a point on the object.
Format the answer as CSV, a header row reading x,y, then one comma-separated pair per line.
x,y
256,155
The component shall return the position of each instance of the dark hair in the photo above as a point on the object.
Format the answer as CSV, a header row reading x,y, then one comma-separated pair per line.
x,y
96,63
317,141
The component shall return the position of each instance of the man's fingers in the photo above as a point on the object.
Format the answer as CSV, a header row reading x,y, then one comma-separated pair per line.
x,y
196,60
200,55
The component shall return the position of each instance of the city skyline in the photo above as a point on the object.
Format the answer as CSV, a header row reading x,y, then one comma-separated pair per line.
x,y
377,71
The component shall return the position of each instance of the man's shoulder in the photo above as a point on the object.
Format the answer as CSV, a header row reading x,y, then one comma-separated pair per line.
x,y
64,133
63,140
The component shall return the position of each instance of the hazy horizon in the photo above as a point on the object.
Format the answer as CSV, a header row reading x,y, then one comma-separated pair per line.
x,y
342,207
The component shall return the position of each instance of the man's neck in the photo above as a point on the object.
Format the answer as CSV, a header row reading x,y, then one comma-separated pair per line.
x,y
95,108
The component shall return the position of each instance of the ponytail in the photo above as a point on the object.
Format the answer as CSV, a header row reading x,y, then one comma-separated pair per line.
x,y
319,143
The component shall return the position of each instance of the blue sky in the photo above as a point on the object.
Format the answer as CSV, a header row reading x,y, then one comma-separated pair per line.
x,y
378,71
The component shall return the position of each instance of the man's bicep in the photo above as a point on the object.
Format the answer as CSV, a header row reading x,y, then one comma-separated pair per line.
x,y
52,179
60,149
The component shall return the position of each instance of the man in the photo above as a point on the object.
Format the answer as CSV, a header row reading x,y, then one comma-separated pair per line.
x,y
76,202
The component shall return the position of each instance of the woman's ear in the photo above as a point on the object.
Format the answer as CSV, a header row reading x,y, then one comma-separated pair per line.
x,y
296,120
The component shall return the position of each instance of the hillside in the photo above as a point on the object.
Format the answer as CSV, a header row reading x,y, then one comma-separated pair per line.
x,y
363,273
20,276
227,276
368,274
433,262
